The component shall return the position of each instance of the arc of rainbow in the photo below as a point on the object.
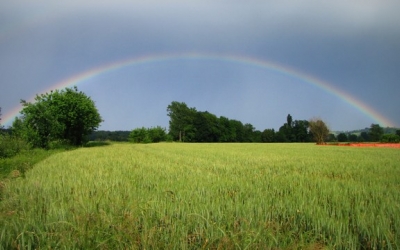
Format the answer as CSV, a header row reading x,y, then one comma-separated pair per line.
x,y
285,70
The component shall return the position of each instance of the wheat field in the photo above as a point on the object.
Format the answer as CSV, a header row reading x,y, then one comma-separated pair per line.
x,y
205,196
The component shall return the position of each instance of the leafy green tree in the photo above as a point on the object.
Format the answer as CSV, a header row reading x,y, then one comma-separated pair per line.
x,y
206,127
157,134
364,136
342,137
375,132
227,132
284,134
268,135
139,135
67,115
286,130
300,131
148,135
248,131
238,130
353,137
280,136
398,132
257,136
181,121
319,130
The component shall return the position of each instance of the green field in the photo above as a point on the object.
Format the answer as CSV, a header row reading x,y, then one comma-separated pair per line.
x,y
205,196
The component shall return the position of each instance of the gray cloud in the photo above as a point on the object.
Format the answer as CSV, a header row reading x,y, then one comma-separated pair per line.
x,y
353,45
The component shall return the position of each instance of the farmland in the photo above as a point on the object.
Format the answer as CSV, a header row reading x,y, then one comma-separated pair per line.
x,y
211,196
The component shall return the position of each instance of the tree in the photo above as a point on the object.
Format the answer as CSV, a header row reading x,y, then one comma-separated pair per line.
x,y
353,137
206,127
248,131
364,136
268,135
227,132
257,136
398,132
286,130
342,137
393,138
1,126
300,131
157,134
238,129
181,121
68,115
280,136
139,135
319,130
375,132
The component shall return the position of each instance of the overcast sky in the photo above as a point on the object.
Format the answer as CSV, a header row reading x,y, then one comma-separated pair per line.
x,y
354,46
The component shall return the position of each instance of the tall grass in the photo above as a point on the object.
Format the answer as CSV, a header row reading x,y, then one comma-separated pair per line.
x,y
211,196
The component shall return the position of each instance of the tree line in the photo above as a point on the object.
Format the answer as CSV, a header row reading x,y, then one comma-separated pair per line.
x,y
186,124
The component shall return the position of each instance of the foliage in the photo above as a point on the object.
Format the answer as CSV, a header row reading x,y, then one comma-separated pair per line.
x,y
375,132
206,196
332,138
139,135
102,135
353,137
206,127
157,134
300,131
342,137
148,135
11,145
181,121
18,164
390,138
364,136
319,130
189,125
59,115
268,135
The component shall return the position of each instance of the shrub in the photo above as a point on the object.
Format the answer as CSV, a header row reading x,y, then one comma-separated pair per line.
x,y
148,135
11,145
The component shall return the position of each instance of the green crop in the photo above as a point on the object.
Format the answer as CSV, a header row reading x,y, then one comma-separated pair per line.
x,y
206,196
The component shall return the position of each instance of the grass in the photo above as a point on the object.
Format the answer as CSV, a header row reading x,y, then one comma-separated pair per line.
x,y
206,196
22,162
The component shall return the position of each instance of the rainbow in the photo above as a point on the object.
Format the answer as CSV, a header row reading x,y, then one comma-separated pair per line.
x,y
284,70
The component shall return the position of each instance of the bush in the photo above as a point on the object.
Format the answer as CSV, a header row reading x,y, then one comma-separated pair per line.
x,y
11,145
148,135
